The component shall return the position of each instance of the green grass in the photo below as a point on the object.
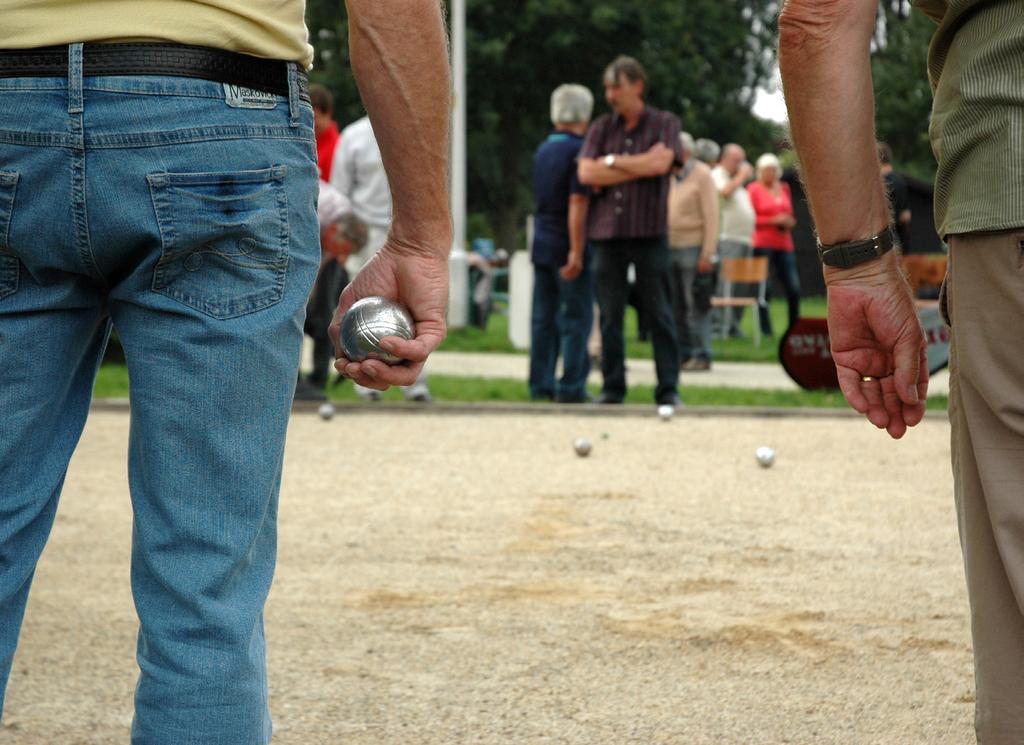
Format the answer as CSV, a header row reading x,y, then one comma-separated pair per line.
x,y
113,383
495,337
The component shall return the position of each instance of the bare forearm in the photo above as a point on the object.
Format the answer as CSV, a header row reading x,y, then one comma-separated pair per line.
x,y
732,185
578,206
594,172
824,48
405,85
645,165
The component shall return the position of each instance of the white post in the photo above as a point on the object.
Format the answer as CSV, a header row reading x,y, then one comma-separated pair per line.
x,y
458,265
520,292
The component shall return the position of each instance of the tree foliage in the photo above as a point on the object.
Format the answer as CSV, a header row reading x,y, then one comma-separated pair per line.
x,y
705,60
903,97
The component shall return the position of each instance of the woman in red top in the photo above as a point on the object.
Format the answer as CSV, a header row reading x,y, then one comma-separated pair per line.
x,y
773,233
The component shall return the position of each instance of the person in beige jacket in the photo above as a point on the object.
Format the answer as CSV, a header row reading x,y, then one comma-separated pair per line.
x,y
693,236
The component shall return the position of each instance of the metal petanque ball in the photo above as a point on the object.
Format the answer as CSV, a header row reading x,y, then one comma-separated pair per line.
x,y
582,446
665,411
326,411
765,456
367,322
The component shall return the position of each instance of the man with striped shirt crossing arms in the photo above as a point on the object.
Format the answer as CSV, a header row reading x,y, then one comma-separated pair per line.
x,y
626,159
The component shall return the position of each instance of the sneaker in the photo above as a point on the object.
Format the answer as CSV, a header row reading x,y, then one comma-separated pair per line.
x,y
422,397
696,364
370,395
608,398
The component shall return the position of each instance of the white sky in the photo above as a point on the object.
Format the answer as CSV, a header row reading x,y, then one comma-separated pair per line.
x,y
769,102
770,105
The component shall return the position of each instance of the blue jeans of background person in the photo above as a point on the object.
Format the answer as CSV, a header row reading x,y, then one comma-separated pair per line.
x,y
783,264
652,262
149,204
563,313
693,324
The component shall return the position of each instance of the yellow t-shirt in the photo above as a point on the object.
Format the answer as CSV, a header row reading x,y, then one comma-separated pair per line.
x,y
275,29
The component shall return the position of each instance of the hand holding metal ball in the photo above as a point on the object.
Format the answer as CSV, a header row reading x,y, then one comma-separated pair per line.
x,y
367,322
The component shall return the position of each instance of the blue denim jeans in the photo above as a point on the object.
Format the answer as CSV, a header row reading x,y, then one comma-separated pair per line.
x,y
783,263
563,313
150,204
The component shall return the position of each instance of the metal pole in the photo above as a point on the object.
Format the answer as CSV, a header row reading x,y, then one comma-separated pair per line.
x,y
458,306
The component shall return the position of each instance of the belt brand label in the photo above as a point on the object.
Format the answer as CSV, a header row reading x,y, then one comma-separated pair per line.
x,y
240,97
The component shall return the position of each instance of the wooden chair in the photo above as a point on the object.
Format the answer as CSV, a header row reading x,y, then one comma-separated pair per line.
x,y
751,271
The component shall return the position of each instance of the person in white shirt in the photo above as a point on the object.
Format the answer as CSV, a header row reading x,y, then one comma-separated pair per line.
x,y
736,223
358,174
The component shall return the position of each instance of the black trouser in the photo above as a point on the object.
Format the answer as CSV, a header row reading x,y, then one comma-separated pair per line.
x,y
653,264
323,301
783,263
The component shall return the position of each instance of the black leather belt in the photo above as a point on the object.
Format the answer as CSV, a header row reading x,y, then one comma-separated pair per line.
x,y
178,60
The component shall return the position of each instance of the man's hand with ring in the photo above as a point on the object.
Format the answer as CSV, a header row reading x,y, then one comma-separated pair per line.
x,y
877,343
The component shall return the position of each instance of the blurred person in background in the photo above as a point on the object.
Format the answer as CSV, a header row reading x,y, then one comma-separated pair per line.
x,y
563,290
341,235
693,237
325,127
332,277
627,159
898,193
736,225
707,151
773,234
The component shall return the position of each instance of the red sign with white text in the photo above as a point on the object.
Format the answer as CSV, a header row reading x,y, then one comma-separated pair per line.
x,y
806,354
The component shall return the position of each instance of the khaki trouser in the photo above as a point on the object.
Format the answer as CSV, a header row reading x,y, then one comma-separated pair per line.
x,y
984,300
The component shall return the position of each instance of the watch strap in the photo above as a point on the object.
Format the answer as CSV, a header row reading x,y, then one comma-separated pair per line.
x,y
852,253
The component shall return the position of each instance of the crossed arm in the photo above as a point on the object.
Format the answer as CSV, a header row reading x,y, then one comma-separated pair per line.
x,y
655,162
877,343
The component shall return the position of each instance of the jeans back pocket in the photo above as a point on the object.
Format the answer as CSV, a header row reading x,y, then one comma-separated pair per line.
x,y
225,239
9,264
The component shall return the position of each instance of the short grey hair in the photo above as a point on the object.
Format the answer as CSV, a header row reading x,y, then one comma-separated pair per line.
x,y
686,140
707,151
571,104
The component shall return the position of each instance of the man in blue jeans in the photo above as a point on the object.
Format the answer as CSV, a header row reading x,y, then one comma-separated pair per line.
x,y
563,291
168,190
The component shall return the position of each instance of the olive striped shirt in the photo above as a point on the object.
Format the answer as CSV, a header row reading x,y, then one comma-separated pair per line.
x,y
634,209
976,66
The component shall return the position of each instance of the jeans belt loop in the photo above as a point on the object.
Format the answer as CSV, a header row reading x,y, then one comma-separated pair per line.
x,y
293,94
75,105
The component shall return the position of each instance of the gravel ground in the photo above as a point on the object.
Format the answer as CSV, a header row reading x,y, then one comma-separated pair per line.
x,y
449,579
